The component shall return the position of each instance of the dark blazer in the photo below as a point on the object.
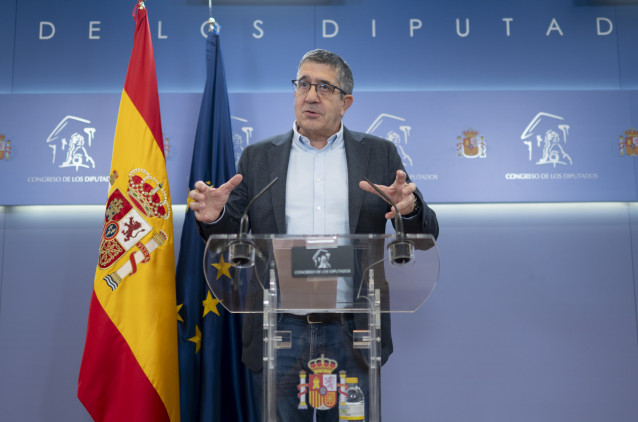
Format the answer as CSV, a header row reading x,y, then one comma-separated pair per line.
x,y
367,156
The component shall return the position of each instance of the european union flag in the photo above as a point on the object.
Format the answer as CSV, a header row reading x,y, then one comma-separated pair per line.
x,y
214,384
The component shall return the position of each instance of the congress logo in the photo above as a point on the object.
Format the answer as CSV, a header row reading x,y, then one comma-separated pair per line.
x,y
5,148
321,258
70,143
546,139
395,130
628,144
242,132
470,145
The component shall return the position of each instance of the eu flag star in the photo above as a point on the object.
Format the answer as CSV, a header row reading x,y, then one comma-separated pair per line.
x,y
210,305
222,267
197,339
179,317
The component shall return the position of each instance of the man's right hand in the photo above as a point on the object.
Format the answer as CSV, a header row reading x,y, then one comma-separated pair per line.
x,y
207,202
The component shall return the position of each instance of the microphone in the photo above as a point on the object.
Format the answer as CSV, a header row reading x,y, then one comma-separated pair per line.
x,y
241,252
401,250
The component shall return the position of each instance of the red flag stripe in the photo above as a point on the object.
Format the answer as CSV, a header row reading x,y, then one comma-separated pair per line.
x,y
129,370
142,87
124,391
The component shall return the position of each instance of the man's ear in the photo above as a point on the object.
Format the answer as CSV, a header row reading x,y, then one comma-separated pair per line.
x,y
347,102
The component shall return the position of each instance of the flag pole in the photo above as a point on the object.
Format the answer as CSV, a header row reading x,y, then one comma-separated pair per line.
x,y
212,23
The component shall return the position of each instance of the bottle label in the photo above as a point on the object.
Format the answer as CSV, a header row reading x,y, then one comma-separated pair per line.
x,y
352,412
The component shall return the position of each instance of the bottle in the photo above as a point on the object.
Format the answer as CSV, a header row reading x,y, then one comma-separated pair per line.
x,y
354,407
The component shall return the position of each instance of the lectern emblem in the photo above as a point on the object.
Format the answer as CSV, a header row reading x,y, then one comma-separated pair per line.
x,y
322,386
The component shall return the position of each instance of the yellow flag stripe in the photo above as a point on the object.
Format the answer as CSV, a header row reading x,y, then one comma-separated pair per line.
x,y
143,305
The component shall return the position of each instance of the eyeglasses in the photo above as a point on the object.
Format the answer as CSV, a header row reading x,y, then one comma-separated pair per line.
x,y
324,90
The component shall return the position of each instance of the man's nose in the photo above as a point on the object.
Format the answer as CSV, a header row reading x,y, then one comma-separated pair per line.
x,y
314,94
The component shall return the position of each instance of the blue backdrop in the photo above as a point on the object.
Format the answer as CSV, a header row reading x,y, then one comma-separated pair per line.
x,y
534,315
487,101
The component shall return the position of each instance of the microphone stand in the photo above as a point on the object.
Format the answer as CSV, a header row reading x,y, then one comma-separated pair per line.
x,y
401,251
241,252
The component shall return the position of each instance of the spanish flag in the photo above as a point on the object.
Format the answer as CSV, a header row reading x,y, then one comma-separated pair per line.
x,y
129,370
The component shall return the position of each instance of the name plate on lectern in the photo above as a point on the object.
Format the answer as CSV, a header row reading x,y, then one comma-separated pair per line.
x,y
322,261
312,290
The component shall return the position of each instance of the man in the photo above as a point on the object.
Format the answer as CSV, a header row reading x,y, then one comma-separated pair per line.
x,y
321,166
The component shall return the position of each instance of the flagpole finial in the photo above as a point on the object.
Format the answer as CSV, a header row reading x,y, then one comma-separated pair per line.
x,y
141,5
213,25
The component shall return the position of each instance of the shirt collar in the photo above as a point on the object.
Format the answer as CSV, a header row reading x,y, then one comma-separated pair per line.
x,y
304,143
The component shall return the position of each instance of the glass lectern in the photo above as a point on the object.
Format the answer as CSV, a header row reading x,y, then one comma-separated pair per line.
x,y
273,274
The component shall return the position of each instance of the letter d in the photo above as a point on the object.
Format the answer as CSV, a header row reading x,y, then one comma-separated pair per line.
x,y
50,25
334,32
610,26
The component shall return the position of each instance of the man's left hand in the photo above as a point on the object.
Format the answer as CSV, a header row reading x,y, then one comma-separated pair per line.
x,y
400,192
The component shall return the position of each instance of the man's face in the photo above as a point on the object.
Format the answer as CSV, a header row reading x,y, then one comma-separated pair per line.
x,y
319,118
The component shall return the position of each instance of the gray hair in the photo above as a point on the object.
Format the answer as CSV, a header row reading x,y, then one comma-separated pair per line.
x,y
344,74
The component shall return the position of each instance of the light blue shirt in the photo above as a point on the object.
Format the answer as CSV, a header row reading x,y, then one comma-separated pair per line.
x,y
317,193
317,187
